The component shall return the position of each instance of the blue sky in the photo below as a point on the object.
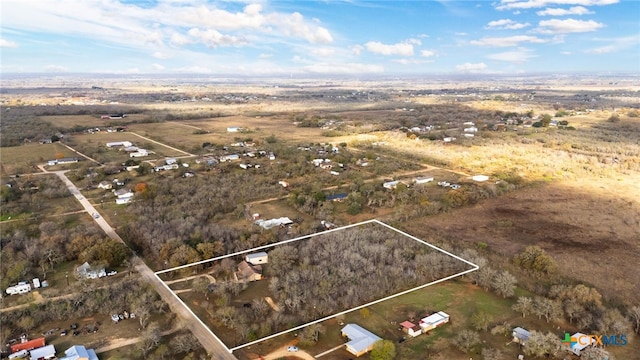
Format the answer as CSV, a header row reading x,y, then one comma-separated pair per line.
x,y
319,37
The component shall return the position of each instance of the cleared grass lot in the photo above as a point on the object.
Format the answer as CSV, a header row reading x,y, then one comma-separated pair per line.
x,y
20,159
100,140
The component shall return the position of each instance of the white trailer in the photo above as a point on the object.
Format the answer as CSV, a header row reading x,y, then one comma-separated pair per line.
x,y
21,288
36,283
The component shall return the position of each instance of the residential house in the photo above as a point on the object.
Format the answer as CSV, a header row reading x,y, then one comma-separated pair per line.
x,y
170,161
230,157
68,160
249,272
105,185
79,352
360,341
520,336
87,271
45,352
123,193
422,180
130,149
390,184
411,329
124,200
139,153
337,197
257,258
271,223
119,144
433,321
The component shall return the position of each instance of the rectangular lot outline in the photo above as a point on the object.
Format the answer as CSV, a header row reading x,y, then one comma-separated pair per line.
x,y
474,267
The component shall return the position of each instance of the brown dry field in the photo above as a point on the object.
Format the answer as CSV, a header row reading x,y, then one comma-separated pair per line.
x,y
590,227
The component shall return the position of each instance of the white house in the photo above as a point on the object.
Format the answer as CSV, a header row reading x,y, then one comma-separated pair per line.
x,y
390,184
480,178
170,161
433,321
139,153
257,258
21,288
232,129
88,272
422,180
106,185
360,341
119,144
268,224
123,193
124,200
229,157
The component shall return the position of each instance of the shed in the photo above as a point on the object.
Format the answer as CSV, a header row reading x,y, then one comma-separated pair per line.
x,y
249,272
520,335
45,352
434,320
411,329
28,345
257,258
360,341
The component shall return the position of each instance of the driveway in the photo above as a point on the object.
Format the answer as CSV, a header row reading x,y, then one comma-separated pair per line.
x,y
283,353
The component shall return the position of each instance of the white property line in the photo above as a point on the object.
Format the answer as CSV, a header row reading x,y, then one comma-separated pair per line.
x,y
474,268
192,313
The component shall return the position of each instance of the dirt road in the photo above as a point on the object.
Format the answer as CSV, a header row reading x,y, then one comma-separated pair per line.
x,y
283,353
204,335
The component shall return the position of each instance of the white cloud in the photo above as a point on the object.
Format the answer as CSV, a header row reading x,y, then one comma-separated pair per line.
x,y
427,53
460,34
194,70
471,68
566,52
414,42
157,66
507,24
401,48
7,44
412,61
530,4
616,44
507,41
323,52
557,26
575,10
348,68
357,49
213,38
422,36
265,56
55,68
520,55
163,22
160,55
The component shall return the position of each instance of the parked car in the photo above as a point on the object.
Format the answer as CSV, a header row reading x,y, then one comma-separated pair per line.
x,y
64,333
292,349
115,317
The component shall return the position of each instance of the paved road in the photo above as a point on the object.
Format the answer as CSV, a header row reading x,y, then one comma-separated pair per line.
x,y
206,338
